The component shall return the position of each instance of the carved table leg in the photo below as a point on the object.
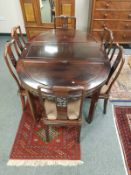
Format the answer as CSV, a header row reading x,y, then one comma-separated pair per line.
x,y
32,105
94,99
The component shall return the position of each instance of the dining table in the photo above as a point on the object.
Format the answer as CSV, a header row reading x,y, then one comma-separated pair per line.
x,y
63,58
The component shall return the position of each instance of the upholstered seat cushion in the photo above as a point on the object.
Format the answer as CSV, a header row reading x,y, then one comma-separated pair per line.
x,y
51,111
73,109
129,61
105,87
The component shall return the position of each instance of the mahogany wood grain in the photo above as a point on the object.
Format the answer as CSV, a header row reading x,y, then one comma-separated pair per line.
x,y
17,35
113,4
94,99
76,63
11,54
114,14
64,51
120,25
117,61
121,36
65,22
58,35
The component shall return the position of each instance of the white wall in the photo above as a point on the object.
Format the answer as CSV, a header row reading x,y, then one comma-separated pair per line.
x,y
81,13
11,14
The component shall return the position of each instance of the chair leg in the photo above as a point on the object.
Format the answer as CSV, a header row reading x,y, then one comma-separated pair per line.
x,y
78,135
23,102
105,105
47,133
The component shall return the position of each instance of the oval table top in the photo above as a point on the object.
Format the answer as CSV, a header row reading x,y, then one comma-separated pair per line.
x,y
63,63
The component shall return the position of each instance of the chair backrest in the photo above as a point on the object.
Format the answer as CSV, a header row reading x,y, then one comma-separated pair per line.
x,y
17,35
107,40
61,105
65,22
10,54
117,63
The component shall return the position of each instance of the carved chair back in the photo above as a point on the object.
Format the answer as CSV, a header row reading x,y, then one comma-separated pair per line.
x,y
65,22
11,56
62,102
107,40
61,108
117,61
17,35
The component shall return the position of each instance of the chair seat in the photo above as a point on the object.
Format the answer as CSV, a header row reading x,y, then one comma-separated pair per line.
x,y
51,110
105,88
62,108
73,108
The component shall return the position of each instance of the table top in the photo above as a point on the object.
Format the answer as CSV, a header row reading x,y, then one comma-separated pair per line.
x,y
71,62
60,35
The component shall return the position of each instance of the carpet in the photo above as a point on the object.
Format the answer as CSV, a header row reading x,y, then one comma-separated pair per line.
x,y
31,149
123,127
121,90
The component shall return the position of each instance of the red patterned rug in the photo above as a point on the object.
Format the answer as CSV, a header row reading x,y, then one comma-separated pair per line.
x,y
31,149
123,125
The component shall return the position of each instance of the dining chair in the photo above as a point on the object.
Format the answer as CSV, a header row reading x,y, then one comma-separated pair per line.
x,y
117,63
65,22
61,108
11,55
107,39
17,35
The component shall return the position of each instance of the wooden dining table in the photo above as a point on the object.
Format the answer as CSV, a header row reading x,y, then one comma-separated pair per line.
x,y
63,58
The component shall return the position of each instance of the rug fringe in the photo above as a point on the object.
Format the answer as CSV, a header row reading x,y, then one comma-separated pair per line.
x,y
44,162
